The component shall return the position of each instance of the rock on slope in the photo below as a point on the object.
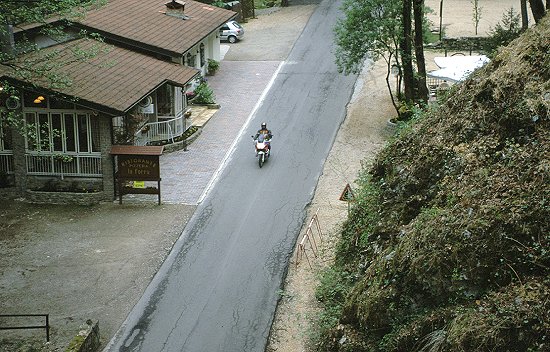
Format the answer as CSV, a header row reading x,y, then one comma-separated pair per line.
x,y
446,248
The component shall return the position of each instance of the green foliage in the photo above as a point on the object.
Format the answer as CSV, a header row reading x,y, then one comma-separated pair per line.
x,y
446,248
219,4
204,94
334,286
264,4
370,28
508,29
213,66
16,12
41,64
75,344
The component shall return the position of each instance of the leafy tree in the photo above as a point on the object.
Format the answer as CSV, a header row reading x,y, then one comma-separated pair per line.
x,y
49,18
204,94
374,29
371,29
504,32
53,17
406,49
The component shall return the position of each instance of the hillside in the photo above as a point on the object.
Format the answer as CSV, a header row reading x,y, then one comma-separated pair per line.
x,y
446,247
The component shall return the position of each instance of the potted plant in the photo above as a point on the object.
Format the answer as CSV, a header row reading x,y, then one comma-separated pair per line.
x,y
213,66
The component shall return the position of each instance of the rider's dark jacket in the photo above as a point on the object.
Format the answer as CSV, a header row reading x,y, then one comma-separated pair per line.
x,y
264,131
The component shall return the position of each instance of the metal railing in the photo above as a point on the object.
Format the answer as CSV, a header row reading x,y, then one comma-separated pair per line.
x,y
64,164
46,326
434,84
161,130
6,162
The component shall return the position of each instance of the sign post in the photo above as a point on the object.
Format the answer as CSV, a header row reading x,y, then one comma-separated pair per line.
x,y
347,196
137,164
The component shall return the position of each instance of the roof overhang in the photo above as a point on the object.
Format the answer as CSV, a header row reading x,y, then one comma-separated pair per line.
x,y
111,82
78,101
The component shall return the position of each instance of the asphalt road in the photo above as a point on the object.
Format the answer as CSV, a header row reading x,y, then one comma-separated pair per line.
x,y
218,288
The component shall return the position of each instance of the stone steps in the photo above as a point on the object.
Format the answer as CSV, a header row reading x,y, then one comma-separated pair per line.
x,y
201,114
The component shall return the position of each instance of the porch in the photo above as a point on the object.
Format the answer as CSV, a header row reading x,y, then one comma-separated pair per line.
x,y
168,130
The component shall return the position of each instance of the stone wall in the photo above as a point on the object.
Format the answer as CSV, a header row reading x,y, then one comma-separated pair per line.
x,y
40,197
65,184
460,44
91,343
87,340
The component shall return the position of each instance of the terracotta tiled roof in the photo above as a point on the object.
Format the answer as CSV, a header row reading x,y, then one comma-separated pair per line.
x,y
114,80
145,22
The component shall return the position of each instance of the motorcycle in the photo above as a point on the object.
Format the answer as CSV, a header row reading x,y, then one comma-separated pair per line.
x,y
262,148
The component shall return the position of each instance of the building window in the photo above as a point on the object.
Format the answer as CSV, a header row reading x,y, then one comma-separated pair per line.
x,y
62,133
202,56
190,59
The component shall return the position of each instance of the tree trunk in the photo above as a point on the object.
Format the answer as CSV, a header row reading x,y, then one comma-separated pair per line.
x,y
406,52
524,15
421,87
537,8
388,71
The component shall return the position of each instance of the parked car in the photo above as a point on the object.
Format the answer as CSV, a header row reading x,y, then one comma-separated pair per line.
x,y
231,31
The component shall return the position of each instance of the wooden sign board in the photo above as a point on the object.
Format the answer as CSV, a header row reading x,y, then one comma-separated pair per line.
x,y
138,167
137,164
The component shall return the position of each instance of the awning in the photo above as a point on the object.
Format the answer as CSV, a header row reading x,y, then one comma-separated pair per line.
x,y
457,68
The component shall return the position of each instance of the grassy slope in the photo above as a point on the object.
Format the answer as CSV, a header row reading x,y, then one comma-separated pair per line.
x,y
447,248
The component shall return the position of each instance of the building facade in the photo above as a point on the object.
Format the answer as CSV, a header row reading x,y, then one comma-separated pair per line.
x,y
55,140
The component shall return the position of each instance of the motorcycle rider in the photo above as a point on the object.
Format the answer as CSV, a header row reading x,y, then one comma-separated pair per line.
x,y
267,133
264,130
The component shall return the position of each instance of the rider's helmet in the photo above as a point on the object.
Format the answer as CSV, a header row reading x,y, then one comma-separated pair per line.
x,y
264,125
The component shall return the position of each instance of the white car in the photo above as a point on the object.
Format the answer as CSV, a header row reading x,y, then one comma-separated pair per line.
x,y
231,31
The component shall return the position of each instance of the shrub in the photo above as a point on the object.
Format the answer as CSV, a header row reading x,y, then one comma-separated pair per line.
x,y
204,94
504,32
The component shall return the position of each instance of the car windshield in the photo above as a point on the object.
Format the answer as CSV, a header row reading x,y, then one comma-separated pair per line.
x,y
236,24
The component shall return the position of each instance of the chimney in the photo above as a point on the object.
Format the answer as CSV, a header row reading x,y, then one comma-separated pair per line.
x,y
175,7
